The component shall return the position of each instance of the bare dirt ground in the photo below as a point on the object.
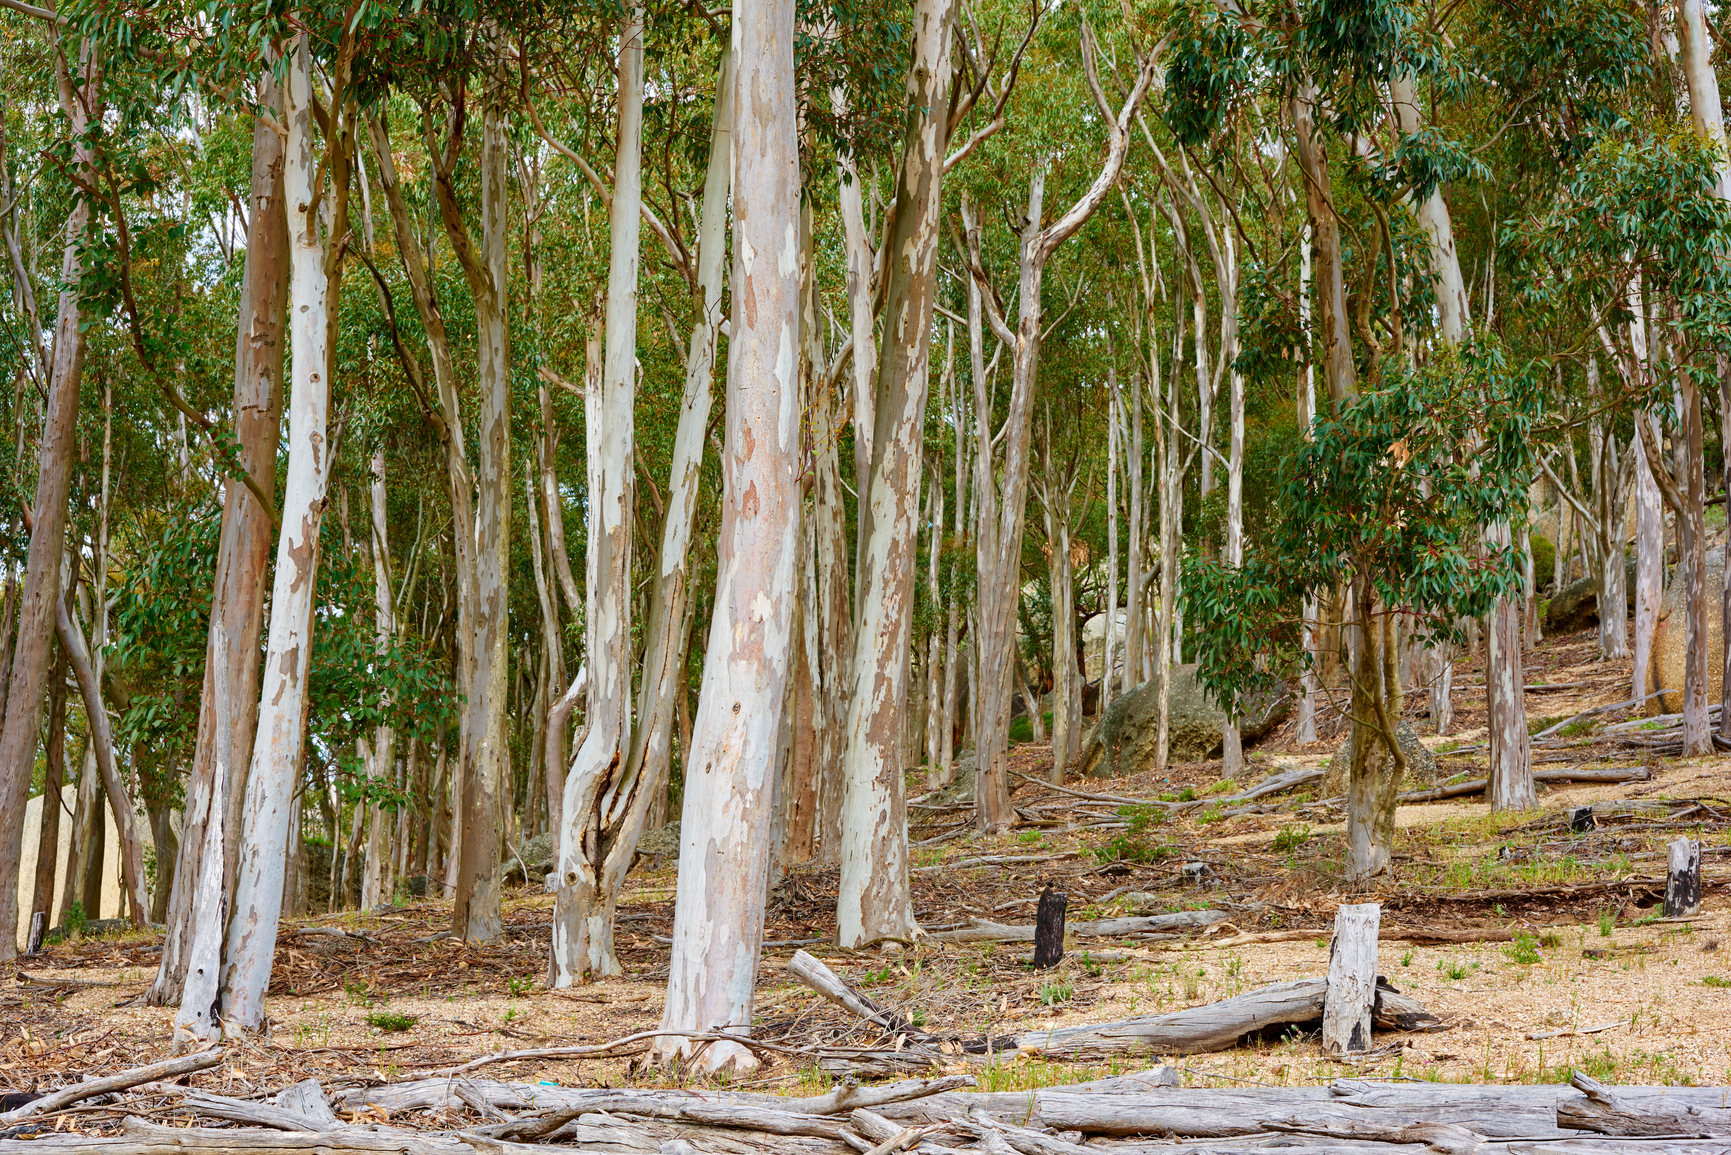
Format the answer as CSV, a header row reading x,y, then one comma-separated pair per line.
x,y
1594,980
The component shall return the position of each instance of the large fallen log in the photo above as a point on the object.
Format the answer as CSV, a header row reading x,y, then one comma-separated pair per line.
x,y
1218,1026
1471,786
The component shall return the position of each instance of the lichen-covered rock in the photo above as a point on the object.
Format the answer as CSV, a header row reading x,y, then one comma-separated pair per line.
x,y
1124,740
1670,645
1420,762
1574,608
663,840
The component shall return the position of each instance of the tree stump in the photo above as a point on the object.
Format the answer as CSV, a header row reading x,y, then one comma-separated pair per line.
x,y
38,927
1049,928
1580,819
1683,879
1351,979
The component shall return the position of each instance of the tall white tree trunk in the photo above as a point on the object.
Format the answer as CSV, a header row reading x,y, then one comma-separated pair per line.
x,y
730,768
1231,741
874,901
243,555
1308,684
1114,438
582,920
1649,520
276,754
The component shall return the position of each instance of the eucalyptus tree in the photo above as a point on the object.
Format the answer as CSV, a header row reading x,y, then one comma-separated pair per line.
x,y
78,71
1002,490
730,764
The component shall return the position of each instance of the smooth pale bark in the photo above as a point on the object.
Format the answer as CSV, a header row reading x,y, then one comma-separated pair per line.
x,y
382,766
1171,480
1114,438
834,625
1649,530
606,803
1231,743
86,823
277,747
582,922
1308,686
41,587
730,766
1511,762
1003,510
242,558
198,1018
475,916
550,755
1135,635
934,637
874,900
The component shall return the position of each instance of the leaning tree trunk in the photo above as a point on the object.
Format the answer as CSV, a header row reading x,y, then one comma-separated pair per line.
x,y
276,753
41,589
874,900
730,767
242,557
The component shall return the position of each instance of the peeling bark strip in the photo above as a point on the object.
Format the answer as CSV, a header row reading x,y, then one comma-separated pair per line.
x,y
252,928
874,901
243,552
41,592
730,770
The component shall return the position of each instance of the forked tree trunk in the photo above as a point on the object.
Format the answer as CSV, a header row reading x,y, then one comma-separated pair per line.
x,y
606,805
41,588
999,549
277,747
242,558
582,921
730,767
874,900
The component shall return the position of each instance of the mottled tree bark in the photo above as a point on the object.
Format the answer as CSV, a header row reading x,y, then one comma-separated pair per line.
x,y
730,767
874,900
79,99
242,558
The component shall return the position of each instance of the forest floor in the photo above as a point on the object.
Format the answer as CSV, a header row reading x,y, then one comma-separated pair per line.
x,y
1591,979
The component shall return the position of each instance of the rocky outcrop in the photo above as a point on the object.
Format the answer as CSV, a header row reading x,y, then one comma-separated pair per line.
x,y
1572,610
1670,642
1123,741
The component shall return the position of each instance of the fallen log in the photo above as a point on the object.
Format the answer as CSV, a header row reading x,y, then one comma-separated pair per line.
x,y
813,973
121,1081
1604,774
1606,1113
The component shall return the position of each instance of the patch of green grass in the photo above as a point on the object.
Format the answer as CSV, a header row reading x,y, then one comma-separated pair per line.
x,y
1028,837
1607,923
1292,837
1454,971
1715,981
391,1020
1051,994
1524,950
1131,848
1224,786
1406,959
